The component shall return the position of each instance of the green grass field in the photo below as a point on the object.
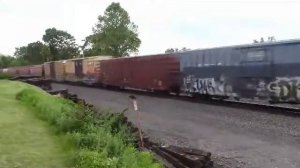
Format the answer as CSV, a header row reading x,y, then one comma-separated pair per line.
x,y
25,140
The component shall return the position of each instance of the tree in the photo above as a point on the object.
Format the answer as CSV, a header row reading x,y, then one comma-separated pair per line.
x,y
8,61
33,53
45,52
61,44
5,61
20,57
185,49
114,34
176,50
171,50
262,40
21,52
271,39
88,49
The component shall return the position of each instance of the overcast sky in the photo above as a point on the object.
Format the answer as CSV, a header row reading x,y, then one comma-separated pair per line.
x,y
161,23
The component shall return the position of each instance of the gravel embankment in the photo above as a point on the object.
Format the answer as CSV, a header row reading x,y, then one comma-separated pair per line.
x,y
236,137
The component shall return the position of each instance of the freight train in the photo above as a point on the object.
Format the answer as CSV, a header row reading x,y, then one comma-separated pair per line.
x,y
263,71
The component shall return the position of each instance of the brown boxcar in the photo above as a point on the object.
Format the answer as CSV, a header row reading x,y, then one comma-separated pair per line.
x,y
29,70
11,71
47,72
92,69
54,70
59,70
69,70
18,71
111,72
23,71
36,70
5,71
154,73
74,70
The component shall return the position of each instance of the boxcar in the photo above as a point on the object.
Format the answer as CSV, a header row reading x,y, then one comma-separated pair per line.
x,y
47,71
7,71
69,70
92,69
54,70
23,71
36,70
152,73
11,71
74,70
18,71
269,71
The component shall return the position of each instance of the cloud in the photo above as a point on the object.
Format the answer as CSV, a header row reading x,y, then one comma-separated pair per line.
x,y
162,24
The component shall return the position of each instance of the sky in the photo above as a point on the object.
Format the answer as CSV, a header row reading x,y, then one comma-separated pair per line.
x,y
161,24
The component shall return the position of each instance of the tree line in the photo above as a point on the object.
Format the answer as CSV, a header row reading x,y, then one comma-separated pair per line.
x,y
114,34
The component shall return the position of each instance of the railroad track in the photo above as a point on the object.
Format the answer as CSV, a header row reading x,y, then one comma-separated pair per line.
x,y
266,107
257,106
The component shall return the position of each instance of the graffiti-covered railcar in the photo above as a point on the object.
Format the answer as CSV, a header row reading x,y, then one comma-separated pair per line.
x,y
269,71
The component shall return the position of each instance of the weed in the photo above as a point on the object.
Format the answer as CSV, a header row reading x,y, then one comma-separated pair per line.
x,y
101,138
4,76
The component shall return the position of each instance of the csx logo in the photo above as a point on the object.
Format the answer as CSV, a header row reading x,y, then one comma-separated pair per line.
x,y
285,89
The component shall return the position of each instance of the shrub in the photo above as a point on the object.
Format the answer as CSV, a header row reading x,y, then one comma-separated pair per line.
x,y
91,159
4,76
101,139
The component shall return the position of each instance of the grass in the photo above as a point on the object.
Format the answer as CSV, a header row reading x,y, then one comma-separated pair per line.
x,y
100,139
25,140
4,76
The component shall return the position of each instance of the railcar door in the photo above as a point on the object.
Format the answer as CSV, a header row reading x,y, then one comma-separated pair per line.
x,y
78,69
52,70
127,71
255,72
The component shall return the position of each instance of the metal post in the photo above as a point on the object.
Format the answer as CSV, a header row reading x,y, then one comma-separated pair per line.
x,y
138,118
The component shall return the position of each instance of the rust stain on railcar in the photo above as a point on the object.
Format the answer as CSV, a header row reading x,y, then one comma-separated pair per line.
x,y
92,69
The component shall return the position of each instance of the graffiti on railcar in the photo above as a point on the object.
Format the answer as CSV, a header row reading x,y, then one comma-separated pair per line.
x,y
261,89
252,87
210,86
282,89
285,89
199,85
